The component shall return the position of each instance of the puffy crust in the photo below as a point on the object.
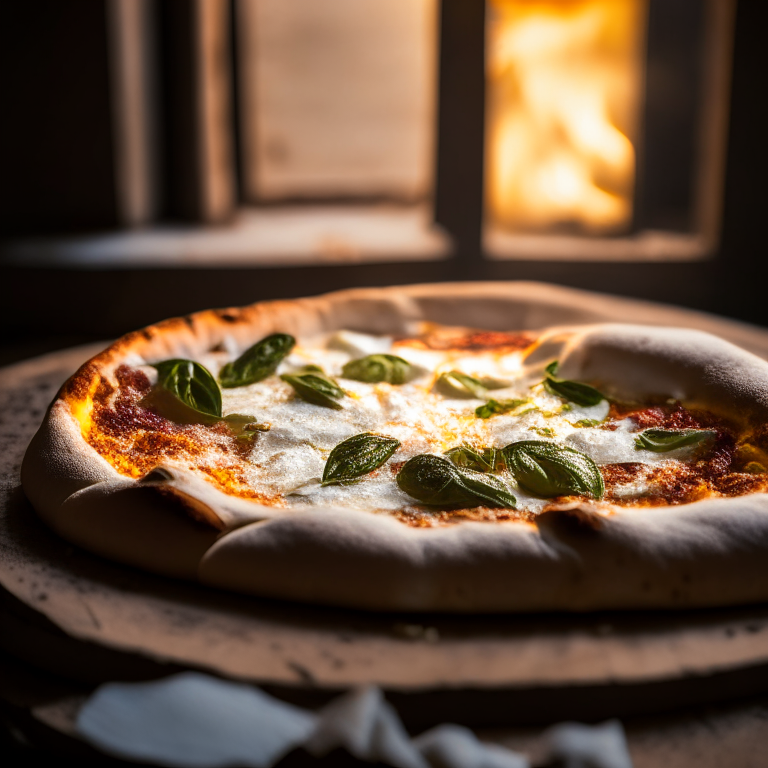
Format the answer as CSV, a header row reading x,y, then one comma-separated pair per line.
x,y
707,553
640,362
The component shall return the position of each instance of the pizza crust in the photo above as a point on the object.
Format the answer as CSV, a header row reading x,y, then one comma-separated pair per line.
x,y
703,554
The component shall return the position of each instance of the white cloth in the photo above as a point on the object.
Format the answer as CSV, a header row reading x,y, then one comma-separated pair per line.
x,y
589,746
197,721
364,724
193,720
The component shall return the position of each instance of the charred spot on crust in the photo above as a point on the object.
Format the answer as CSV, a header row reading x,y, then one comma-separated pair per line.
x,y
228,316
472,341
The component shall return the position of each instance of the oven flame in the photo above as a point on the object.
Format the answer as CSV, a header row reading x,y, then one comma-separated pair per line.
x,y
564,91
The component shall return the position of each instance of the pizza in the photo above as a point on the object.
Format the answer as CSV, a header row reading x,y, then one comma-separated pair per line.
x,y
417,449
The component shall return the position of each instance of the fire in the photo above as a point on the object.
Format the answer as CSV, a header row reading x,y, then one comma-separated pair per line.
x,y
564,89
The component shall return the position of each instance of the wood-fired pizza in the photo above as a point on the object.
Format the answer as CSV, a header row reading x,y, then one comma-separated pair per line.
x,y
426,448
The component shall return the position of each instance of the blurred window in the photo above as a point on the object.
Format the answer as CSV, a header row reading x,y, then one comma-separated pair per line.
x,y
336,98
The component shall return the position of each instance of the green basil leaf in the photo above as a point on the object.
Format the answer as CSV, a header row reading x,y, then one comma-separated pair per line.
x,y
357,456
316,388
466,457
588,423
547,469
490,382
495,407
435,481
457,384
190,383
575,391
257,362
376,368
661,440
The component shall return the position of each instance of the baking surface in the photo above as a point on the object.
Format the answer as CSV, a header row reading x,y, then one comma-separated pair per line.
x,y
141,615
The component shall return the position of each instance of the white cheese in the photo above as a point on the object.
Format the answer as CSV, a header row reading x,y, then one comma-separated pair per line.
x,y
289,459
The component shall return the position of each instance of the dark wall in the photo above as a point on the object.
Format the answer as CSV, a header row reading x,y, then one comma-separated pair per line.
x,y
56,137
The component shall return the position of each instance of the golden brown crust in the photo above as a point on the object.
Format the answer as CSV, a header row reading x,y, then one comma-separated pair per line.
x,y
569,558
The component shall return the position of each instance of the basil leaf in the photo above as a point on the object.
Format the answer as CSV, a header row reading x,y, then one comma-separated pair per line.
x,y
547,469
661,440
575,391
456,384
376,368
357,456
257,362
316,388
494,407
466,457
491,491
490,382
587,423
435,481
191,383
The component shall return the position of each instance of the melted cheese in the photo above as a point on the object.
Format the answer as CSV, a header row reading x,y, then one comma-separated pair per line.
x,y
289,459
283,466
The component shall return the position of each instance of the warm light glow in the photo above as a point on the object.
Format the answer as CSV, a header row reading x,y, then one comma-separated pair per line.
x,y
564,88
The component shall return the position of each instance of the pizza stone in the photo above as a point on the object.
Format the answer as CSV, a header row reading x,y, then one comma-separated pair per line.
x,y
573,556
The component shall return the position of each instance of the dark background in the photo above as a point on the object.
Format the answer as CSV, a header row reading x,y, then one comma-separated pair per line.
x,y
56,176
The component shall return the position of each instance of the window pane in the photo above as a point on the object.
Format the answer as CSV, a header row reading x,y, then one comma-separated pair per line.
x,y
564,91
337,97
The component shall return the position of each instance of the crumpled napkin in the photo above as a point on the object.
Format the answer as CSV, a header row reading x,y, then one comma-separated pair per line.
x,y
193,720
196,720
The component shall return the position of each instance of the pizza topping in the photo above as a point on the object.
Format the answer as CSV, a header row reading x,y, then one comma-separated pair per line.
x,y
258,361
316,388
245,428
662,440
357,456
547,469
466,457
574,391
457,384
671,415
329,456
495,407
377,368
192,386
436,481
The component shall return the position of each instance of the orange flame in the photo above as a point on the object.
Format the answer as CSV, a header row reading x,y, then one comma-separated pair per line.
x,y
564,91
